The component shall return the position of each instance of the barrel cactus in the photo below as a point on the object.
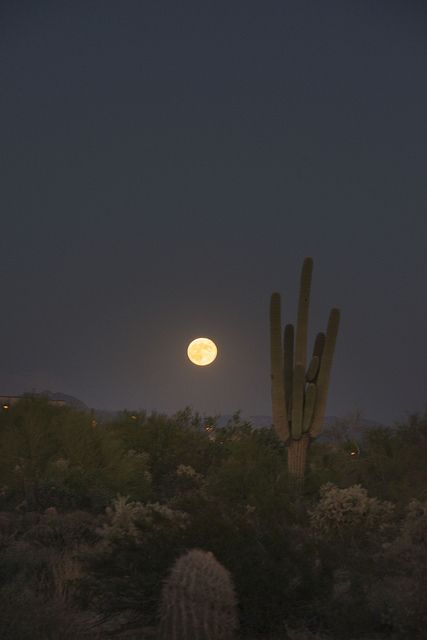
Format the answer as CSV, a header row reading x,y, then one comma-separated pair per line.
x,y
299,389
198,601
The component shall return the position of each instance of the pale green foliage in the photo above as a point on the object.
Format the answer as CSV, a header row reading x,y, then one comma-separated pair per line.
x,y
129,518
341,511
154,513
122,516
186,471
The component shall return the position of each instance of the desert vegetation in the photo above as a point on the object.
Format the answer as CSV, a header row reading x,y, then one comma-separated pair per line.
x,y
97,518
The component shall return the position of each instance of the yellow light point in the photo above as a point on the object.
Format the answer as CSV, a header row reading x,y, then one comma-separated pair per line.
x,y
6,406
202,351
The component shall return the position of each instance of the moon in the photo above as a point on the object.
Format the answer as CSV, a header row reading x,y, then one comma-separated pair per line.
x,y
202,351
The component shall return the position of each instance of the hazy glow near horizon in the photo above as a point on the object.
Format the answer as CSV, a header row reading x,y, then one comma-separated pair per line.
x,y
202,351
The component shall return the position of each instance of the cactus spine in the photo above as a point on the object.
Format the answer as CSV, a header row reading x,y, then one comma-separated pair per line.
x,y
198,600
299,393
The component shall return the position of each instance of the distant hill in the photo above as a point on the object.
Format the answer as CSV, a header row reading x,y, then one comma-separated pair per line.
x,y
334,427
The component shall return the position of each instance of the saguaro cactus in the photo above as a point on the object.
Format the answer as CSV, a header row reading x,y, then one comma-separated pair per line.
x,y
299,392
198,600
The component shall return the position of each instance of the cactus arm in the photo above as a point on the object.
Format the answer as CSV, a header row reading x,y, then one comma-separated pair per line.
x,y
309,404
319,345
298,400
313,369
302,318
280,418
324,372
288,364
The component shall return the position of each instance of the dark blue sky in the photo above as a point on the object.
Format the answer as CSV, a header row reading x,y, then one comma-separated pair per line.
x,y
166,165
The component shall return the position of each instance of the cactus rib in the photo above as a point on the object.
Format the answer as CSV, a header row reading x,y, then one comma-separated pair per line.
x,y
198,600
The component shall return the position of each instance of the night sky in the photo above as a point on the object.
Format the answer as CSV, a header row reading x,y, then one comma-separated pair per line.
x,y
166,166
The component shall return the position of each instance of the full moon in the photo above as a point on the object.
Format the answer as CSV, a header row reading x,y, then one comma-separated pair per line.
x,y
202,351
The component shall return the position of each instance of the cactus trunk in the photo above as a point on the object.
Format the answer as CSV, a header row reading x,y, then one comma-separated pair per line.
x,y
297,459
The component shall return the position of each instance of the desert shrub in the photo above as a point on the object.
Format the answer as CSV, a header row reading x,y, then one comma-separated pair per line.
x,y
349,514
340,560
37,590
243,513
134,519
72,487
28,612
63,530
302,633
250,471
20,557
8,522
400,590
350,529
124,571
166,442
55,456
390,463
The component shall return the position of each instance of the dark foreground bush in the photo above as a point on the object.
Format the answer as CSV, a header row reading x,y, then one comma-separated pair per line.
x,y
28,613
